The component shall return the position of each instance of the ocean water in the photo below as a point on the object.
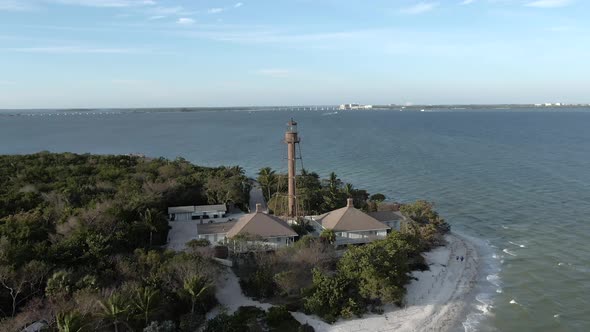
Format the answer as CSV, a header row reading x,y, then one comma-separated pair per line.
x,y
515,181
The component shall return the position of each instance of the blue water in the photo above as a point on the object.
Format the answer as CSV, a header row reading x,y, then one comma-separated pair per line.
x,y
518,181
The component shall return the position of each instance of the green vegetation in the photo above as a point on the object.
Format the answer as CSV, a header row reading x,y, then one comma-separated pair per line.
x,y
425,224
308,276
366,277
315,195
80,239
254,319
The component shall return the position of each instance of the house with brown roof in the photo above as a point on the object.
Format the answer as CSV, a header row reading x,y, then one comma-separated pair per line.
x,y
263,228
352,225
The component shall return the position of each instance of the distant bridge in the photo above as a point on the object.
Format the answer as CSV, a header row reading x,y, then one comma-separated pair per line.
x,y
305,108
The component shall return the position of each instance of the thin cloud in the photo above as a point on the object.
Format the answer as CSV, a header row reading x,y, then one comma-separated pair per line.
x,y
106,3
169,11
218,10
246,35
15,5
215,10
419,8
70,50
549,3
185,21
467,2
28,5
274,72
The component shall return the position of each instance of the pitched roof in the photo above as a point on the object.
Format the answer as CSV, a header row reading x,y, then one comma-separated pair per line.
x,y
385,215
261,224
198,208
349,219
181,209
215,228
210,208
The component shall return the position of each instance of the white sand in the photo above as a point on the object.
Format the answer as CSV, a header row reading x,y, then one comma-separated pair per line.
x,y
434,302
230,296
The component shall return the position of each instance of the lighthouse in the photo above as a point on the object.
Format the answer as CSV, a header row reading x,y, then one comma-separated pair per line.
x,y
291,139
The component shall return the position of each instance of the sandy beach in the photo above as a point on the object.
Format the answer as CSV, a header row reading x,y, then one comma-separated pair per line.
x,y
434,302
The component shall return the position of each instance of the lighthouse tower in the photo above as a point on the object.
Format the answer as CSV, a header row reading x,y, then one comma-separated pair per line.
x,y
291,138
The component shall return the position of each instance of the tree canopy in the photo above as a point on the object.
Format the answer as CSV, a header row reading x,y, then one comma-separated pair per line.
x,y
80,239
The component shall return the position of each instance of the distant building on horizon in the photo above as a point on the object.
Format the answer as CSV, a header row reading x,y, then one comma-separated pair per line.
x,y
354,107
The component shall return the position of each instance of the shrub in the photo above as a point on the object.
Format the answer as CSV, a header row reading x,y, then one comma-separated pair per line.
x,y
165,326
277,315
305,328
198,243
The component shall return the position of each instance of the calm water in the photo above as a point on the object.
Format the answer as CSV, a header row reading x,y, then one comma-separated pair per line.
x,y
517,181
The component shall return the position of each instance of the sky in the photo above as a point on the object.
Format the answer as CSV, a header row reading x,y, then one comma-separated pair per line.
x,y
180,53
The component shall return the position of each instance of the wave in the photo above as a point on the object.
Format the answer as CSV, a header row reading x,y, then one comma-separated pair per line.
x,y
518,245
494,279
484,306
509,252
575,267
486,302
486,290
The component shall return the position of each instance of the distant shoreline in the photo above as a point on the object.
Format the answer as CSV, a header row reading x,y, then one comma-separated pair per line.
x,y
298,107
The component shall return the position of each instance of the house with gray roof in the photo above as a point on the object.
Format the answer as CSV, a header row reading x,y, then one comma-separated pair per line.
x,y
214,232
351,225
392,219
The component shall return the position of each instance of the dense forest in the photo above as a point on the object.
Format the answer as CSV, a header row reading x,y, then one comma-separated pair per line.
x,y
82,248
81,238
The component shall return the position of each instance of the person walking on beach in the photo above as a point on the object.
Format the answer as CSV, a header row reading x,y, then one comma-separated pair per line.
x,y
461,258
457,257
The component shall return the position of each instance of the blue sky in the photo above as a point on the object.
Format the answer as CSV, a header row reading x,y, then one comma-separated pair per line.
x,y
152,53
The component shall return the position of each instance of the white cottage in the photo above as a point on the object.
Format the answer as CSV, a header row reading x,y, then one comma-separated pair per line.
x,y
198,212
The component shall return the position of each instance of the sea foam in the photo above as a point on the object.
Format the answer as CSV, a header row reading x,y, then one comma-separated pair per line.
x,y
518,245
509,252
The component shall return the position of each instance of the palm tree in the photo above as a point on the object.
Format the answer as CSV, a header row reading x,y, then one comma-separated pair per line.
x,y
348,190
114,311
333,181
146,301
195,286
150,220
238,170
70,322
267,178
328,235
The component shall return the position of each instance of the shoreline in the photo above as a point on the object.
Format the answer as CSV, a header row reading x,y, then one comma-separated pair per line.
x,y
437,301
